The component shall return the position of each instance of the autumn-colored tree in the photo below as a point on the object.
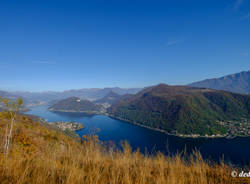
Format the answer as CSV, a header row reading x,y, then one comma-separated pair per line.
x,y
9,113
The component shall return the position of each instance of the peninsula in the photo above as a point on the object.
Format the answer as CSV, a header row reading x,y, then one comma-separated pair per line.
x,y
75,104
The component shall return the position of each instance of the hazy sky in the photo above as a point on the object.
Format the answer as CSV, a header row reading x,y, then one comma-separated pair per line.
x,y
57,45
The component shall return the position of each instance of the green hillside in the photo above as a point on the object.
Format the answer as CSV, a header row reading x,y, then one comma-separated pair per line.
x,y
74,104
187,110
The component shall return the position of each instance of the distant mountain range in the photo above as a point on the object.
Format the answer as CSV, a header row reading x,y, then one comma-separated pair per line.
x,y
9,95
111,98
238,83
193,109
75,104
187,110
50,97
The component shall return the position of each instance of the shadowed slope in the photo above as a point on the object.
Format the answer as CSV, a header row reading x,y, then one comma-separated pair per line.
x,y
185,109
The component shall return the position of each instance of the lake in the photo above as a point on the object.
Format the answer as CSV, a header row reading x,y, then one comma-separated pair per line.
x,y
235,151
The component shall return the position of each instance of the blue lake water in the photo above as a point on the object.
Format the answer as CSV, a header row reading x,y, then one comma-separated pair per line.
x,y
236,150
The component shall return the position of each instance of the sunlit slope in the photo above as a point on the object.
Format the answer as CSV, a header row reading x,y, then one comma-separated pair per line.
x,y
39,154
238,83
75,104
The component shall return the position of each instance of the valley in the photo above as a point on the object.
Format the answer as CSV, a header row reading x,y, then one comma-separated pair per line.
x,y
175,110
125,92
109,129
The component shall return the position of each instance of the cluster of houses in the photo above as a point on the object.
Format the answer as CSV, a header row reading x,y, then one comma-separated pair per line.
x,y
72,126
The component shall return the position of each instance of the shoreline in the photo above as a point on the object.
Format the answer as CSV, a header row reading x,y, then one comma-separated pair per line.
x,y
71,111
195,136
72,126
176,135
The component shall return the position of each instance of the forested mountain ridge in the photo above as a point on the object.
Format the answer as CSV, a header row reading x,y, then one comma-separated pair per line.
x,y
74,104
187,110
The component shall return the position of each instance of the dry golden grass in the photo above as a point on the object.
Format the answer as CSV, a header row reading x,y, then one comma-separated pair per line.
x,y
44,156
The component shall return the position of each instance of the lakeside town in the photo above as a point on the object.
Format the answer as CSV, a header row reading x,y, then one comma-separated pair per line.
x,y
240,128
64,126
235,128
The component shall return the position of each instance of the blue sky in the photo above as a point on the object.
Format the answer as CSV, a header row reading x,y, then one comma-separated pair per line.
x,y
59,45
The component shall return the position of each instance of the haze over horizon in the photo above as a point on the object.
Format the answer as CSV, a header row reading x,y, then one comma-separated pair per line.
x,y
137,88
62,45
